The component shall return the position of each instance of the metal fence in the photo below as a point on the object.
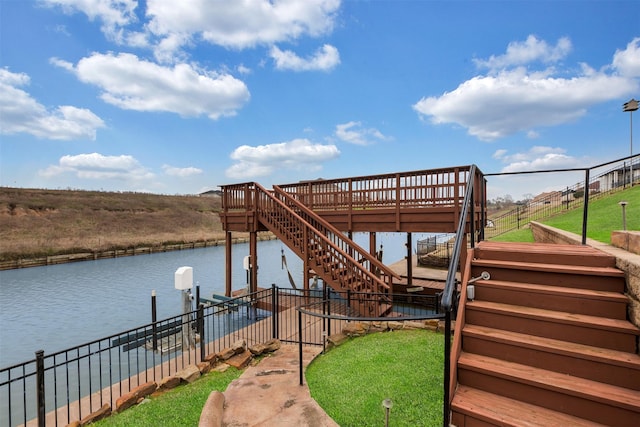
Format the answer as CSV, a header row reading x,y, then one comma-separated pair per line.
x,y
56,389
601,180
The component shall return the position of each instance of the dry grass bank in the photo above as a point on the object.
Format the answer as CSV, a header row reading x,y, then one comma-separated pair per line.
x,y
36,223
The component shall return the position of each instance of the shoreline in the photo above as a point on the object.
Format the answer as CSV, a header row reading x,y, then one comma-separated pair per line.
x,y
19,263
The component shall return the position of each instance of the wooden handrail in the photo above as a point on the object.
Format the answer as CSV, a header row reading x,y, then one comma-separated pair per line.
x,y
327,229
276,216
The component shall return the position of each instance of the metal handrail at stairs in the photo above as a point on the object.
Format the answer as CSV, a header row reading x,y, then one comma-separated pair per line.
x,y
328,255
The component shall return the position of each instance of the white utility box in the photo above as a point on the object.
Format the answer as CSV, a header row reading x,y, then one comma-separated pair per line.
x,y
184,278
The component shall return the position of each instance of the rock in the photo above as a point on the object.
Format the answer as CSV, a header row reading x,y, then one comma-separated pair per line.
x,y
167,383
212,359
189,374
395,326
258,349
337,339
239,346
145,389
101,413
241,360
432,322
204,367
268,347
211,415
127,400
222,367
226,353
354,329
413,325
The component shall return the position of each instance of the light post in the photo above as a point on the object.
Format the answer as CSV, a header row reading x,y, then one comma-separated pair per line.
x,y
624,215
387,404
630,107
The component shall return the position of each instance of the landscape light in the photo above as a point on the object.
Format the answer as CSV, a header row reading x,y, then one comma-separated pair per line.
x,y
624,215
387,404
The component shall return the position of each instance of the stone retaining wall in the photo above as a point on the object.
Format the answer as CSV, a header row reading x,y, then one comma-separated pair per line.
x,y
626,261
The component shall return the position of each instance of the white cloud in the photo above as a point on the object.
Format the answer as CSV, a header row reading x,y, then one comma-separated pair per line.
x,y
134,84
262,160
241,24
627,61
20,113
531,50
100,167
536,158
353,133
181,172
114,14
324,59
511,100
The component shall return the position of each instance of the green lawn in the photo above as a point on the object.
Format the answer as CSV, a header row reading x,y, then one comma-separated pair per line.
x,y
605,215
176,408
351,381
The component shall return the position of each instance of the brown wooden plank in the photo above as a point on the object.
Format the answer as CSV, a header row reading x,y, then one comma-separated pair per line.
x,y
502,411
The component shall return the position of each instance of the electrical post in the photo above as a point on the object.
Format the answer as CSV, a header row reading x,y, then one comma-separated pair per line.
x,y
184,283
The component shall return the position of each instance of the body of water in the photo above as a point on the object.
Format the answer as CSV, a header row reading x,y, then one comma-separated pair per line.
x,y
60,306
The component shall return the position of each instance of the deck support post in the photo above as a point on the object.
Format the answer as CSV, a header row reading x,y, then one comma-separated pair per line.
x,y
253,255
409,261
372,247
227,252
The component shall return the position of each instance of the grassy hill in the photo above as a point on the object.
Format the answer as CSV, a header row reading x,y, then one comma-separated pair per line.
x,y
37,223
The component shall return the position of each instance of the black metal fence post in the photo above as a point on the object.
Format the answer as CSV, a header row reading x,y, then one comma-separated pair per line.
x,y
200,324
300,347
40,387
585,211
447,366
274,311
154,319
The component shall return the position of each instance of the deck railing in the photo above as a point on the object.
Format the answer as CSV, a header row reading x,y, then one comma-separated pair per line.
x,y
427,188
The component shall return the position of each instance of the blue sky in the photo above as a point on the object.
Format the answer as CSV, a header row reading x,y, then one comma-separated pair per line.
x,y
178,97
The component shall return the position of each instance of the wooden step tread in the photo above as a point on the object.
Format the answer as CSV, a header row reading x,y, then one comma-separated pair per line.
x,y
581,351
541,378
545,253
594,322
555,290
555,268
539,247
503,411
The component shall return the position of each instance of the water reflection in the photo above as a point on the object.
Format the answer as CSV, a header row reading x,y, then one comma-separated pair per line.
x,y
56,307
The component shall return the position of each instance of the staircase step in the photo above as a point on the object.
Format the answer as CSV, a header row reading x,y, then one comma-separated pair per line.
x,y
594,363
544,253
595,278
598,402
572,300
596,331
472,407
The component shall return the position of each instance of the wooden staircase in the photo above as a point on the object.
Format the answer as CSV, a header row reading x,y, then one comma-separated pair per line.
x,y
340,262
546,342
